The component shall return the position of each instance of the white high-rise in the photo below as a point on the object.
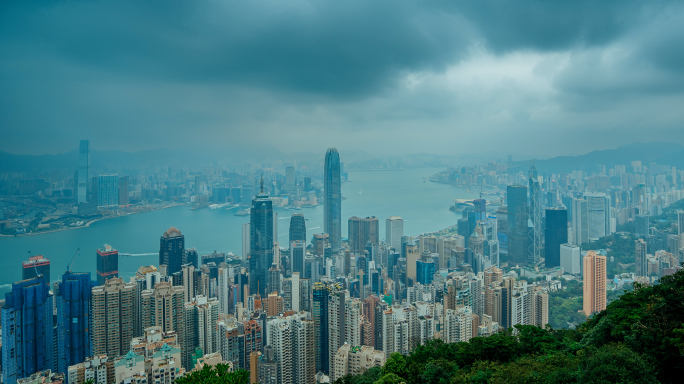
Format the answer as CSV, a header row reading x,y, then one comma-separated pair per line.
x,y
598,219
292,339
570,259
394,230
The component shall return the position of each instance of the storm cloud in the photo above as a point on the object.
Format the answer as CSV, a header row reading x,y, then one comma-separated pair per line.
x,y
539,77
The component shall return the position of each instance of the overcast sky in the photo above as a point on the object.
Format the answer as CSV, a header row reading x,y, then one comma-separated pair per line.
x,y
386,76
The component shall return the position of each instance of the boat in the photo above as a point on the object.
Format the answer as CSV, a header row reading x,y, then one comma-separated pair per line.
x,y
360,192
243,212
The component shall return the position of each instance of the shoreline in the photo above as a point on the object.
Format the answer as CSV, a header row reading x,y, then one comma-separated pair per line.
x,y
92,222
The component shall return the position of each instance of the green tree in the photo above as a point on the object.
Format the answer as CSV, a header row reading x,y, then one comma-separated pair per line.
x,y
615,363
219,374
396,364
390,378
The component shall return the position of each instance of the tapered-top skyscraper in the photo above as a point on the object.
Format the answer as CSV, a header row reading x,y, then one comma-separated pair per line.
x,y
172,250
332,189
260,242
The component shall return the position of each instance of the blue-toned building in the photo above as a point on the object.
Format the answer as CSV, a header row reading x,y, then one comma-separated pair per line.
x,y
74,306
425,268
27,331
332,198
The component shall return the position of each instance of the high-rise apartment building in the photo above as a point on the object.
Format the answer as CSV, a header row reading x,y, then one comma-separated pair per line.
x,y
594,283
293,339
394,230
107,264
123,190
518,238
74,307
27,331
83,178
556,233
320,312
172,250
113,317
352,360
640,259
261,242
332,195
361,231
108,190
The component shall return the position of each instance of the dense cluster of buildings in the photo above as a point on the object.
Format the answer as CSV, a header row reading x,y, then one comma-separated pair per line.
x,y
321,308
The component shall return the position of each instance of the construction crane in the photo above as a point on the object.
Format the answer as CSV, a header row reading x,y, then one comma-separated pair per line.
x,y
71,263
34,264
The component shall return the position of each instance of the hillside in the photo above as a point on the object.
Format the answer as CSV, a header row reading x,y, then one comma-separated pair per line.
x,y
660,153
639,338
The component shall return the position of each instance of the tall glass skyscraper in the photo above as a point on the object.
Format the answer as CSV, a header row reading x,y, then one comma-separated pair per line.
x,y
27,332
518,217
74,306
172,250
297,227
332,189
82,174
260,242
556,233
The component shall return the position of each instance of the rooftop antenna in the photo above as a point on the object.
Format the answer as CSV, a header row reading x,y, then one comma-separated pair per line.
x,y
262,183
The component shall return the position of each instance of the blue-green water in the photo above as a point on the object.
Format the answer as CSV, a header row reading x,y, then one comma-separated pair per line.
x,y
423,205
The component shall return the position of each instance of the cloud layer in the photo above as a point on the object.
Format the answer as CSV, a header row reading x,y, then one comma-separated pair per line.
x,y
384,76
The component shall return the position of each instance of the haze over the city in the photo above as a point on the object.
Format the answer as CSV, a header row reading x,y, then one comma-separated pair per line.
x,y
387,77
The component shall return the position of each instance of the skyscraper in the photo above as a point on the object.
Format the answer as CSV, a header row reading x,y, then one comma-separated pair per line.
x,y
580,221
290,179
107,264
594,283
394,230
598,219
361,231
261,242
297,255
108,190
518,238
74,308
172,250
27,332
297,227
332,191
556,233
83,172
535,208
640,251
34,266
113,317
245,241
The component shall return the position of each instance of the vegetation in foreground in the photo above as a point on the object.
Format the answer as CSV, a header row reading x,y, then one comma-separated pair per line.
x,y
639,338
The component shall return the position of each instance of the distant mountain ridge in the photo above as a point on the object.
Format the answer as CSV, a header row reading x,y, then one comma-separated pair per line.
x,y
658,152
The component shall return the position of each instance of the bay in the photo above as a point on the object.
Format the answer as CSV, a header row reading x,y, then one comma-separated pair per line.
x,y
422,204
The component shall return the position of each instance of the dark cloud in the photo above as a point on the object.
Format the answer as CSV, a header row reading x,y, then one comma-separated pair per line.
x,y
306,74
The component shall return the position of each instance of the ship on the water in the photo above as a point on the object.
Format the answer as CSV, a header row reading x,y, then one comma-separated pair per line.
x,y
243,212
